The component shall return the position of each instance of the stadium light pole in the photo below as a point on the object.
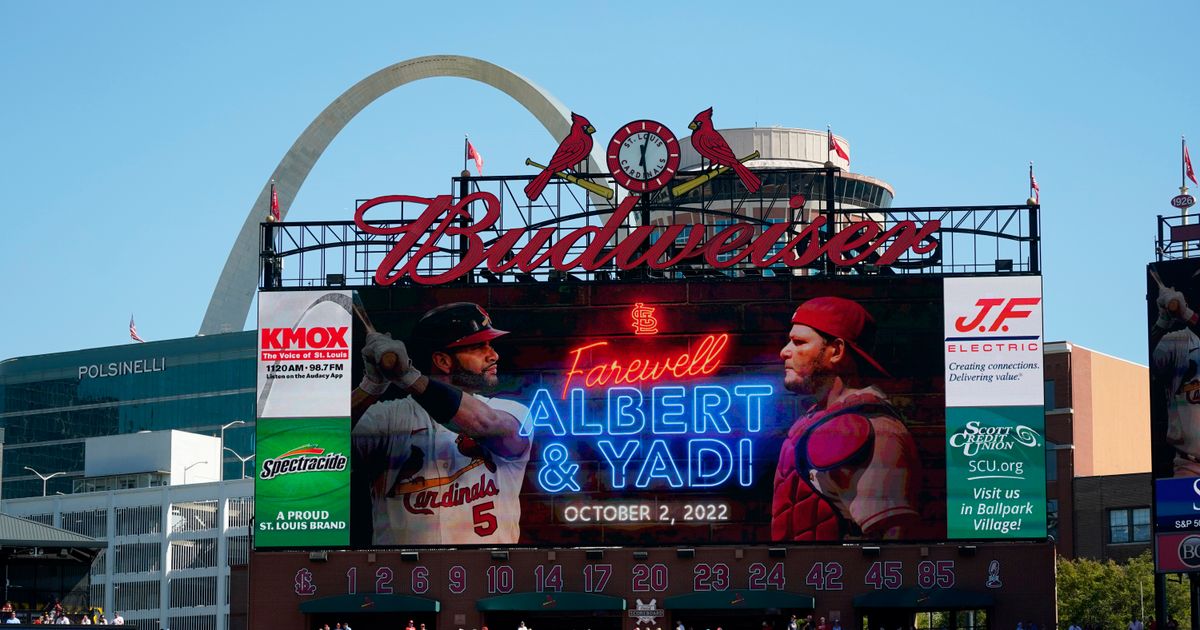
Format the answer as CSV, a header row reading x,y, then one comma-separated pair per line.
x,y
44,478
223,427
187,468
241,459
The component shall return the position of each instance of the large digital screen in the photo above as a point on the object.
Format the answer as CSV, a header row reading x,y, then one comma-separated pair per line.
x,y
1173,291
704,411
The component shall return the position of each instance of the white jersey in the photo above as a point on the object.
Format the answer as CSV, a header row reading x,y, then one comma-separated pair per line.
x,y
432,486
1176,360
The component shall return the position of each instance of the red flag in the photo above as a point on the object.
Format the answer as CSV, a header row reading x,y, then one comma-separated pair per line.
x,y
1187,165
836,146
1033,185
274,203
133,330
472,154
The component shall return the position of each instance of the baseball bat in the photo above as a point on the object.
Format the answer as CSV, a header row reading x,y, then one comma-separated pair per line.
x,y
603,191
687,186
1173,305
388,361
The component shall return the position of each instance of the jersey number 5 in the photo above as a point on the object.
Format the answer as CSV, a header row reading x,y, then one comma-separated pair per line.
x,y
485,521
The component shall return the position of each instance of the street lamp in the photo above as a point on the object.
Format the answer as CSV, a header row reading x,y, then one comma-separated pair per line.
x,y
223,427
241,459
187,468
44,478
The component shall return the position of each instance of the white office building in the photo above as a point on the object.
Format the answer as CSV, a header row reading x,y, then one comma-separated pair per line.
x,y
172,528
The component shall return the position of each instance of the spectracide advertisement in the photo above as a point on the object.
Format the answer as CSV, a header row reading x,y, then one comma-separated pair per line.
x,y
791,409
995,421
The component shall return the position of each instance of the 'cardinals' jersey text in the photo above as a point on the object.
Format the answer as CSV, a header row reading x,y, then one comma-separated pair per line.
x,y
432,486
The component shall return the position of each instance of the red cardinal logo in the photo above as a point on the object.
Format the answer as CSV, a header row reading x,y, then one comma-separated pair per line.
x,y
573,149
709,143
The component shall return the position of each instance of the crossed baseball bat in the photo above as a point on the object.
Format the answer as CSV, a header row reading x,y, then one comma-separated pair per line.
x,y
591,186
687,186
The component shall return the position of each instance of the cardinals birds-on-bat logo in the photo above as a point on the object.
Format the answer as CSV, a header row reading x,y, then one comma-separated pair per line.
x,y
709,143
570,152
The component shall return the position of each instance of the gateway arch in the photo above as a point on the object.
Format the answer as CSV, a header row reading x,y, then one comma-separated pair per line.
x,y
230,302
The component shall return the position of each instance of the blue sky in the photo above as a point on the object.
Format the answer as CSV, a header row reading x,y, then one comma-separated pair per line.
x,y
136,135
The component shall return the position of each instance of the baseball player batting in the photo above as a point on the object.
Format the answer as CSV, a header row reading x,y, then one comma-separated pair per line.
x,y
848,467
1174,361
445,464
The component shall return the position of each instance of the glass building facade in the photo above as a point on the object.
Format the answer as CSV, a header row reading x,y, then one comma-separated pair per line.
x,y
50,404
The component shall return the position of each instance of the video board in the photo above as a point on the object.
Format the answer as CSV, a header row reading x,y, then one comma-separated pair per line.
x,y
778,410
1172,290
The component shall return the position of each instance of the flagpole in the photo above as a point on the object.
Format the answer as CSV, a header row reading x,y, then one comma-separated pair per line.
x,y
466,143
1031,179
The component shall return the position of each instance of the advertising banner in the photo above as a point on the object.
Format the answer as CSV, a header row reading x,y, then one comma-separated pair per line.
x,y
302,493
994,341
1177,552
1173,291
301,486
995,472
995,419
1178,504
304,354
783,410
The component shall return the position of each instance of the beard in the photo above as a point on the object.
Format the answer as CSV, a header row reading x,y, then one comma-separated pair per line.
x,y
472,382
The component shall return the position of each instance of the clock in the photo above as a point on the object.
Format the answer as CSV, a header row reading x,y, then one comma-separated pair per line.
x,y
643,156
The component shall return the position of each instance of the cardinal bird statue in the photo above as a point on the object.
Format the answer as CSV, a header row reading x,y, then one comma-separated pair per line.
x,y
573,150
711,145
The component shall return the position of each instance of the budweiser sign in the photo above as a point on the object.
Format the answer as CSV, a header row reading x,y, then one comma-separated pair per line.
x,y
590,248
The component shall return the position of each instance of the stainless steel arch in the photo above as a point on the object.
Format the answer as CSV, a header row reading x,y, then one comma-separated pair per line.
x,y
231,299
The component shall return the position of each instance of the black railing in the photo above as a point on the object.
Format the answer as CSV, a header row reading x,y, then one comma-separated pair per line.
x,y
971,240
1178,237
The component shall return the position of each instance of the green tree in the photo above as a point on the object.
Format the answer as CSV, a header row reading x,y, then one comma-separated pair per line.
x,y
1107,594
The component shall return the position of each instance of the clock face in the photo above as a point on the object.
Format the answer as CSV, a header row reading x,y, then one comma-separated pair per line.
x,y
643,156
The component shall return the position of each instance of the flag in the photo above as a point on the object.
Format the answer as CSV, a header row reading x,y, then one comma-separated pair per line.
x,y
836,146
472,154
133,330
274,203
1187,165
1033,186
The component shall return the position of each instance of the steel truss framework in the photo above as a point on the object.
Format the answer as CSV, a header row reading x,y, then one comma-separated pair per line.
x,y
972,240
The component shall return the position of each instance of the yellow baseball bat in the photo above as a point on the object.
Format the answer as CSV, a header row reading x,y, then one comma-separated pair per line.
x,y
591,186
687,186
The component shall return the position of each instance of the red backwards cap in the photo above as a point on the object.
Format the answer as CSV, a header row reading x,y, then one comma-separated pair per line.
x,y
844,319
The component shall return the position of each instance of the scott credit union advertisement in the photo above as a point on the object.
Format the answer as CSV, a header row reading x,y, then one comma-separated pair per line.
x,y
303,478
995,422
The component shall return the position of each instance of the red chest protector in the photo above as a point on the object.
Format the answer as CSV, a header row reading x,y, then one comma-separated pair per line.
x,y
829,438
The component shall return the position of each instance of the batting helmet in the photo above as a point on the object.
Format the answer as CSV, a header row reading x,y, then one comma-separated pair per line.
x,y
452,326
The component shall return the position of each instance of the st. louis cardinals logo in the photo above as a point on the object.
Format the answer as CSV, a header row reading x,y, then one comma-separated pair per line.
x,y
570,152
644,322
643,156
303,583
